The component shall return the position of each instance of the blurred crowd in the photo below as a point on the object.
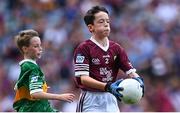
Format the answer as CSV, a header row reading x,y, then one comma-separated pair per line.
x,y
149,30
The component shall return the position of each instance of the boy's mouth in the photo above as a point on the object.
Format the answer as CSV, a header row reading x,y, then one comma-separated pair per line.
x,y
39,54
106,30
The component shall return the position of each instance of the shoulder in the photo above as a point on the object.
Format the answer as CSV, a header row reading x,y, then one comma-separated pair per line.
x,y
29,66
115,45
84,46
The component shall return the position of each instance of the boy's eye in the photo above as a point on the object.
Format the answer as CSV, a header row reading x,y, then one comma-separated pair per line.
x,y
101,21
36,46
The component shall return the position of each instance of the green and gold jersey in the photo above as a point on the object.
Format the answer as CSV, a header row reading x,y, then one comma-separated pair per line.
x,y
31,80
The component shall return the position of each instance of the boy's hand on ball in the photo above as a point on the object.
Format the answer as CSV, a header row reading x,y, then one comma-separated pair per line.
x,y
141,81
114,89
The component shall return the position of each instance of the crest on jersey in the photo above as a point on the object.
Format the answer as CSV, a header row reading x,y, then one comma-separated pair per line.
x,y
34,79
80,59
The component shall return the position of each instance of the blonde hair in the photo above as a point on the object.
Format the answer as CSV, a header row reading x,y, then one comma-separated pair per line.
x,y
24,37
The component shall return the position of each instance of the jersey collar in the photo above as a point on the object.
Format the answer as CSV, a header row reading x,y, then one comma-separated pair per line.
x,y
102,47
27,60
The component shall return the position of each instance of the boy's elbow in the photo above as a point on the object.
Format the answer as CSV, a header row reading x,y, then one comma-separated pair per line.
x,y
35,95
83,79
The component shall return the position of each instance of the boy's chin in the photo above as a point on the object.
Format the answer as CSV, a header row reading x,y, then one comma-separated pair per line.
x,y
106,34
39,57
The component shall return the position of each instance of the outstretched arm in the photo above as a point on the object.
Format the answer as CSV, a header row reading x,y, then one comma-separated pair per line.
x,y
43,95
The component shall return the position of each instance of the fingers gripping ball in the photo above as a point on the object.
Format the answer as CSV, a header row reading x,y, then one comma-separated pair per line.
x,y
114,88
132,92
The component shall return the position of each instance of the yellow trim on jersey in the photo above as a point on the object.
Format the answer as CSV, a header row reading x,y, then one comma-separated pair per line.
x,y
24,93
45,87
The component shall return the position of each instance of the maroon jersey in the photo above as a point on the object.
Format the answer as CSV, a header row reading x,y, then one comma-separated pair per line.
x,y
100,63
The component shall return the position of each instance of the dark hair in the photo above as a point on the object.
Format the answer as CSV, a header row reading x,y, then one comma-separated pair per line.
x,y
89,17
24,37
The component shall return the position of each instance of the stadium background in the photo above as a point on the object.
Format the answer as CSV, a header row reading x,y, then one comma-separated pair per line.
x,y
149,30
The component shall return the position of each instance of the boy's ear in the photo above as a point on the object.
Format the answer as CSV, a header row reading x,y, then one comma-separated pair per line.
x,y
24,49
91,28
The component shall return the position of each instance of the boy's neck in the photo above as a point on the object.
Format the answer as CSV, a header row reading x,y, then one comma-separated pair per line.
x,y
26,57
101,41
29,60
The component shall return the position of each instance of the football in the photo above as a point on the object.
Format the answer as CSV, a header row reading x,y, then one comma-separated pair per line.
x,y
132,92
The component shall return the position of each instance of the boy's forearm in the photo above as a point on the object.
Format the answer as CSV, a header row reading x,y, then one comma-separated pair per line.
x,y
92,83
44,95
133,75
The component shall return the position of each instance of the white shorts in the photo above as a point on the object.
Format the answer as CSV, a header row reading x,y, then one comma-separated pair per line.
x,y
97,102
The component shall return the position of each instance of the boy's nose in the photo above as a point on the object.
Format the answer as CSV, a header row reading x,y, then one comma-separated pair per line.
x,y
106,24
40,49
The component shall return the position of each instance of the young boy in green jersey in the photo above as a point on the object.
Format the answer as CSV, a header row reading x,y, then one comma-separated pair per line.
x,y
31,88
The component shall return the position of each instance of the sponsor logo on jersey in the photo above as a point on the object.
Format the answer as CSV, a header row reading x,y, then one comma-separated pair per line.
x,y
80,59
96,61
34,79
107,74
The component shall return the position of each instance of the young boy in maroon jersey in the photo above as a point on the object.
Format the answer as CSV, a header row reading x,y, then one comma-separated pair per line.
x,y
97,62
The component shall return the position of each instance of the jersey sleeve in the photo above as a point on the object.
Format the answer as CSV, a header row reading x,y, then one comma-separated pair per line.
x,y
124,62
81,61
35,82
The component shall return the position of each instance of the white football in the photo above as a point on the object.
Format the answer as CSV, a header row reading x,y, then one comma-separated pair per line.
x,y
132,92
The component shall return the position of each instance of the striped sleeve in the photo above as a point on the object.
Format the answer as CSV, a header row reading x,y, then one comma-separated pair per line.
x,y
35,87
81,61
81,69
35,82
